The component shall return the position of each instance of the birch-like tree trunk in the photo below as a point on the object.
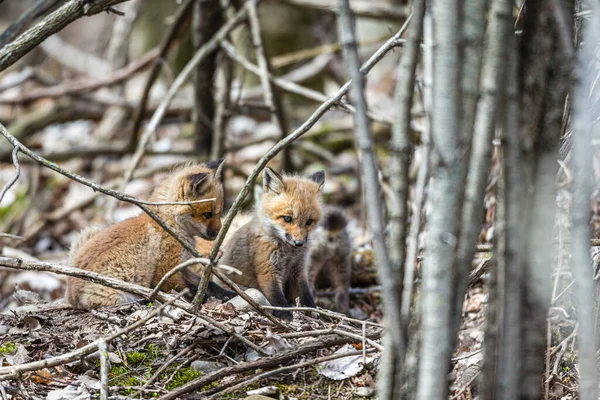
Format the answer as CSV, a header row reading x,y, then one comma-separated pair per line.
x,y
544,87
492,82
474,24
508,362
447,187
390,377
584,115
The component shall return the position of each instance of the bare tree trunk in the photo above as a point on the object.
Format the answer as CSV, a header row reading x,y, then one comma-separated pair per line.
x,y
370,181
583,122
206,20
446,190
509,354
544,89
474,23
390,378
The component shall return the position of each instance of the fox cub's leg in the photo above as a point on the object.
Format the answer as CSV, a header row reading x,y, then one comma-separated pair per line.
x,y
92,295
298,287
314,268
340,280
271,286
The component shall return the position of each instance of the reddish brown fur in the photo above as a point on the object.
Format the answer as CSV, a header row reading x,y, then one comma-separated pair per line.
x,y
266,249
138,250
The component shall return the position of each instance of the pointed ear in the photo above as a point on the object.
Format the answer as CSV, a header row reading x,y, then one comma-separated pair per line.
x,y
272,181
198,182
218,167
319,178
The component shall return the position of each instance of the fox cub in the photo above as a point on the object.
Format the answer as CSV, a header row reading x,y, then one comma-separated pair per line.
x,y
270,250
138,250
330,256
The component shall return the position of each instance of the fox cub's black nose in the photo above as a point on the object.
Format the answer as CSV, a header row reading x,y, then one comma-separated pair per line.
x,y
298,243
212,233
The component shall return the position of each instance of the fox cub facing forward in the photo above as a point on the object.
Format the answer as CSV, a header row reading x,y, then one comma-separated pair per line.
x,y
330,256
138,250
270,250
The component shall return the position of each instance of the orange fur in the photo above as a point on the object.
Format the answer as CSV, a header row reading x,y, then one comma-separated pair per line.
x,y
138,250
270,251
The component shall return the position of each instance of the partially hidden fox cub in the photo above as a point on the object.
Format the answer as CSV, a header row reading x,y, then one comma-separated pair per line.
x,y
138,250
270,250
330,256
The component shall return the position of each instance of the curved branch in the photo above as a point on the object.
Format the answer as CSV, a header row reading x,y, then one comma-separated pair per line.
x,y
53,23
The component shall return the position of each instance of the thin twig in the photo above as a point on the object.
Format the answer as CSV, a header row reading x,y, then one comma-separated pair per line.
x,y
15,159
261,363
290,86
228,388
120,285
82,86
323,311
175,30
186,264
15,371
104,367
164,367
361,8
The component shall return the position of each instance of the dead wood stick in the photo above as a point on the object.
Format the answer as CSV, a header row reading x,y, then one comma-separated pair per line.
x,y
69,12
26,265
163,368
15,159
258,364
81,86
175,30
228,388
104,367
290,86
361,8
15,371
329,313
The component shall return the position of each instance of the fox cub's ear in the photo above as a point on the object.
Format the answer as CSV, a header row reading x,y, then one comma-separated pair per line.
x,y
199,182
272,182
319,178
217,166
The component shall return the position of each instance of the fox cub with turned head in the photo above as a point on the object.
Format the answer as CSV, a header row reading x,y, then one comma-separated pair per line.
x,y
140,251
270,250
330,255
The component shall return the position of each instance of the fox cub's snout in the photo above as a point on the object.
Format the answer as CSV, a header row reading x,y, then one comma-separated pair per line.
x,y
201,219
290,206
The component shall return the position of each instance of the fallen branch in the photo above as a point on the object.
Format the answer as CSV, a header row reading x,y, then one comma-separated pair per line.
x,y
82,86
15,371
255,365
26,265
53,23
228,388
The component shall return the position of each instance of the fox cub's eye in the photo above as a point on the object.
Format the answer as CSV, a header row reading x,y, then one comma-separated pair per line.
x,y
208,215
309,222
287,219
